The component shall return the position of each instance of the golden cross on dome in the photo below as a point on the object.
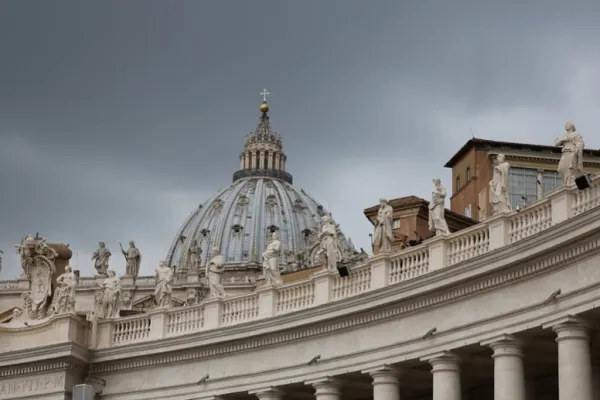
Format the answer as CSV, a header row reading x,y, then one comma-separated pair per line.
x,y
264,94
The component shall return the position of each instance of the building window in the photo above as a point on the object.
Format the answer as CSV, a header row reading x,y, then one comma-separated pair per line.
x,y
550,181
457,183
522,186
468,211
396,224
468,173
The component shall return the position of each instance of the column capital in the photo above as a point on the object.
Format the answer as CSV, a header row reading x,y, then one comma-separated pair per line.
x,y
268,393
384,374
326,385
443,361
569,327
505,345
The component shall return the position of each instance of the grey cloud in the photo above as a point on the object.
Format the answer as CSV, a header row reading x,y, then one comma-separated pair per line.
x,y
118,118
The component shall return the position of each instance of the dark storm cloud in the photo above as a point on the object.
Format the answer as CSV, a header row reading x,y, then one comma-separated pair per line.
x,y
118,118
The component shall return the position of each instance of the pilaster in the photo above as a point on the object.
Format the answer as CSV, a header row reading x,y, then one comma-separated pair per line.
x,y
561,201
498,230
438,255
212,313
323,285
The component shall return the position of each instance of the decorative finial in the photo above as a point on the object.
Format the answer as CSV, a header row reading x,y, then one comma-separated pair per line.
x,y
264,107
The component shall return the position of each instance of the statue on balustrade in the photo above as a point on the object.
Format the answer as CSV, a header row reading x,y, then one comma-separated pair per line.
x,y
133,259
570,165
100,259
63,301
437,208
214,273
194,254
383,236
328,243
271,258
110,299
164,285
37,262
499,186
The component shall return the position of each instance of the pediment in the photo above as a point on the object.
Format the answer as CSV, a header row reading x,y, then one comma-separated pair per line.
x,y
147,303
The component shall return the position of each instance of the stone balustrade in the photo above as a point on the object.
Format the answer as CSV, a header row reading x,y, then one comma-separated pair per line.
x,y
377,272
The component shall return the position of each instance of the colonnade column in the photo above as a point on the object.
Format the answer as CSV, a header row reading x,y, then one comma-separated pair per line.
x,y
386,384
509,373
574,359
445,367
326,389
269,393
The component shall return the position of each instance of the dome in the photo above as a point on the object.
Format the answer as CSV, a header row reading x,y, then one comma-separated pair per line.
x,y
261,199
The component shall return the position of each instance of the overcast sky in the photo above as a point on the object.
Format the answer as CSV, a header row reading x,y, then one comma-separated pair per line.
x,y
117,118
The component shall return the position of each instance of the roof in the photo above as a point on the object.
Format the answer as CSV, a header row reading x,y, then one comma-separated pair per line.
x,y
484,144
414,201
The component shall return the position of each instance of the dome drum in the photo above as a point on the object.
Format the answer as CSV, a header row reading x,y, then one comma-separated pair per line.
x,y
268,173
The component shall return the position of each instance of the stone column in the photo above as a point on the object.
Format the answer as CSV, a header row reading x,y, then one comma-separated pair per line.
x,y
253,159
263,161
574,361
277,158
326,389
385,383
270,160
269,393
446,376
509,373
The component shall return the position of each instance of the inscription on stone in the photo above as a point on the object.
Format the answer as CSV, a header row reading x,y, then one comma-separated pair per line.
x,y
11,388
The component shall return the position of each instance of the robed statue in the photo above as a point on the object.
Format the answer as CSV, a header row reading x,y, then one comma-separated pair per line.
x,y
383,236
437,209
133,259
271,257
570,165
328,243
499,197
100,258
214,273
164,285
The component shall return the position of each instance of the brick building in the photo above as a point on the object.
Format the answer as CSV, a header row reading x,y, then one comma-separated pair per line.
x,y
533,173
411,220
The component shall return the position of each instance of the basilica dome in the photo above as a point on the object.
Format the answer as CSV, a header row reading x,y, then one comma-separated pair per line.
x,y
262,199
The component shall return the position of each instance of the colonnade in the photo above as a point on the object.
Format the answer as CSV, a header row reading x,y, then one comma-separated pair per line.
x,y
574,371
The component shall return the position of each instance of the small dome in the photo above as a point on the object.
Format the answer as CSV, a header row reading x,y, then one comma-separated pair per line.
x,y
239,219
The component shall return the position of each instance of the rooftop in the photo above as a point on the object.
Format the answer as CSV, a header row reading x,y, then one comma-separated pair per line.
x,y
485,144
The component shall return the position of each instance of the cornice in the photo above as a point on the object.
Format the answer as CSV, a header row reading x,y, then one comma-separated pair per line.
x,y
492,270
46,358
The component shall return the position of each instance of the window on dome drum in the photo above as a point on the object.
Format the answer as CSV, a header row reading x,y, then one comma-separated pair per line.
x,y
522,184
468,174
396,224
550,181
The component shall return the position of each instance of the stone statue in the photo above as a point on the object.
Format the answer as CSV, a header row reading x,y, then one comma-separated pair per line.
x,y
271,258
100,259
383,236
164,285
111,298
133,259
1,252
499,187
570,165
194,253
437,217
37,262
328,243
64,294
214,273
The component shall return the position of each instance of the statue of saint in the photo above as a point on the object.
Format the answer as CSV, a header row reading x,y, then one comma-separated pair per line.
x,y
271,261
328,243
570,165
164,285
499,187
214,273
112,297
133,257
194,253
100,258
383,236
64,294
437,217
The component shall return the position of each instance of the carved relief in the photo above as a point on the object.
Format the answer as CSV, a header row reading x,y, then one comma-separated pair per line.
x,y
243,201
194,296
299,205
217,206
271,202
